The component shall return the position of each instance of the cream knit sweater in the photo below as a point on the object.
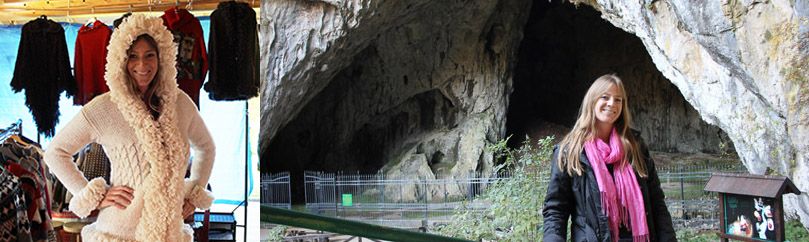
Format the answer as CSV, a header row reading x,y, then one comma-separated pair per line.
x,y
148,155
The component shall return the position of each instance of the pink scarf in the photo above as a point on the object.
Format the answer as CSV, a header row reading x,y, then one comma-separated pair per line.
x,y
621,199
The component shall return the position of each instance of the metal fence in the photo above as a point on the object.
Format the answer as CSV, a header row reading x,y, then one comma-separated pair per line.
x,y
393,201
275,190
421,202
689,205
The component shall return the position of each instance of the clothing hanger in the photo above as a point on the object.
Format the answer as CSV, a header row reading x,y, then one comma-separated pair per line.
x,y
69,19
91,21
190,5
16,139
13,134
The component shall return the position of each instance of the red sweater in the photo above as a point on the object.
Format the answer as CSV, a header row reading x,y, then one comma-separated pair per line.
x,y
192,61
90,59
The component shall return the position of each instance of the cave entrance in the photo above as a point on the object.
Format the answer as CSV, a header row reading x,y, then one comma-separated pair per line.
x,y
374,111
564,49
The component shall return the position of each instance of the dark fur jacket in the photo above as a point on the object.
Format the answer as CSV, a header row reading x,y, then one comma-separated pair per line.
x,y
43,71
233,52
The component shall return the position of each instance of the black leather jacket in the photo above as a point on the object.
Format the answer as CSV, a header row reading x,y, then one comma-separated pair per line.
x,y
577,198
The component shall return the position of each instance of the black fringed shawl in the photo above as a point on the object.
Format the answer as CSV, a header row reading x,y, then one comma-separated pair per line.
x,y
43,71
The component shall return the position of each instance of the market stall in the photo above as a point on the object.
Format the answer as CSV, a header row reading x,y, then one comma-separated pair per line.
x,y
46,79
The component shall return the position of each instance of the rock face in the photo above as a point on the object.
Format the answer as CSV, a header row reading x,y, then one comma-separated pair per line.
x,y
365,85
743,66
361,84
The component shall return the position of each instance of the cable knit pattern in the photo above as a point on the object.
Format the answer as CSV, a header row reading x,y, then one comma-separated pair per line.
x,y
127,173
83,203
197,195
147,155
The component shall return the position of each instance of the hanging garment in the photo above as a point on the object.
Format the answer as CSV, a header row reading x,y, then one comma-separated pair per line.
x,y
233,52
43,71
118,21
90,58
93,162
14,224
25,163
192,60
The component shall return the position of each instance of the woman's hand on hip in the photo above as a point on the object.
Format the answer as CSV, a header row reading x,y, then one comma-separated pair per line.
x,y
188,208
118,196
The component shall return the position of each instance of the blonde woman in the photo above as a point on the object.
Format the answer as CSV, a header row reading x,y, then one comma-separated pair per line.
x,y
147,127
603,179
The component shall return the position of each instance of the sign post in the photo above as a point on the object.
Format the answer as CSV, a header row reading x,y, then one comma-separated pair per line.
x,y
751,207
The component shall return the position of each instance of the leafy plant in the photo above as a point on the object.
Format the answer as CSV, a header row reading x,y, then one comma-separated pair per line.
x,y
515,207
277,233
690,235
794,231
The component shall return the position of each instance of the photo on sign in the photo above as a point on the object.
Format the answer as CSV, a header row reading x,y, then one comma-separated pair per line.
x,y
750,217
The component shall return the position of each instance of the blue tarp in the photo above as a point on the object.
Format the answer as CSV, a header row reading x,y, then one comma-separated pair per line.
x,y
227,121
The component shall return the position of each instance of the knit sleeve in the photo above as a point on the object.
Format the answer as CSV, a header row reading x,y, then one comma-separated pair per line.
x,y
59,159
204,153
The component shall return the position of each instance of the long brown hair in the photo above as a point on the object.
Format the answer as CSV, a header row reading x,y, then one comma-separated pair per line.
x,y
571,146
153,102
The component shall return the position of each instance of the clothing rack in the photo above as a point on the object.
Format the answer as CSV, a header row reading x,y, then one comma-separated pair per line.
x,y
14,129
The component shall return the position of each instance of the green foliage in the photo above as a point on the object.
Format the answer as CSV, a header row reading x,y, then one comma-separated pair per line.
x,y
724,149
515,207
277,233
696,236
793,230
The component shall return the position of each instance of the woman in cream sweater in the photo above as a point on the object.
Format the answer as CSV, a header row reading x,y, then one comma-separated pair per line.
x,y
147,127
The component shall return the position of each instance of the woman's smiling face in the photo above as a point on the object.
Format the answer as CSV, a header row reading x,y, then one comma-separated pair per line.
x,y
141,64
609,105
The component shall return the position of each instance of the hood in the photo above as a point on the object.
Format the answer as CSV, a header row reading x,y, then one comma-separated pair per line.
x,y
122,38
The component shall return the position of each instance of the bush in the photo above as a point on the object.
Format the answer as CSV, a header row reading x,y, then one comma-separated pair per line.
x,y
516,203
277,233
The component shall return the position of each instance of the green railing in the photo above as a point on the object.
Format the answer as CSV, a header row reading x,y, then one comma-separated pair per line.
x,y
343,226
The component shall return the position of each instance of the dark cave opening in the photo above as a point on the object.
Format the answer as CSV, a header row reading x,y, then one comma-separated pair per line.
x,y
351,127
564,49
353,124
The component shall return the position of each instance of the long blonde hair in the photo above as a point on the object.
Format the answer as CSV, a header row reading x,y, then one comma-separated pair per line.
x,y
571,146
152,101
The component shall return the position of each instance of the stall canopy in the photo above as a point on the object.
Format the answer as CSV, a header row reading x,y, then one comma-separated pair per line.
x,y
15,11
227,121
